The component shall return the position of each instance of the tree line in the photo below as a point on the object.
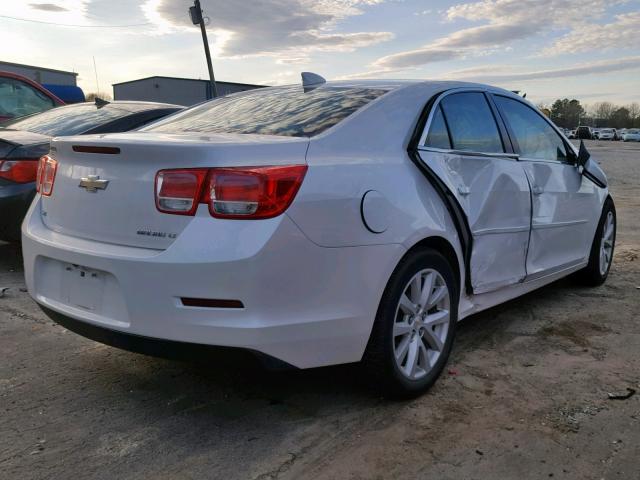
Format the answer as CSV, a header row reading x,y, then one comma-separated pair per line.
x,y
570,113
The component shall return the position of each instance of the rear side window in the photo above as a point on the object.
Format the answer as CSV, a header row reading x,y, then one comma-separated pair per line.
x,y
472,126
18,99
438,136
535,137
286,111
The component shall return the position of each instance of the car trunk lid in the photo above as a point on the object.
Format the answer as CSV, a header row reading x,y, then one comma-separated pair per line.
x,y
124,211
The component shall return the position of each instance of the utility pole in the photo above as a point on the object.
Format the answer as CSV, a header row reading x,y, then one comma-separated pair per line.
x,y
196,18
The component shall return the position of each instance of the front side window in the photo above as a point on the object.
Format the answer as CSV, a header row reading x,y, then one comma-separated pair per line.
x,y
472,126
18,99
438,136
535,137
286,111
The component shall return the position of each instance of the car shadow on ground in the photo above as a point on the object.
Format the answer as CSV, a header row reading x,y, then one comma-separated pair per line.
x,y
235,373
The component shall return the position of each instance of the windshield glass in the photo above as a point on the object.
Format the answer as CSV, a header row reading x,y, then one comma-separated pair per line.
x,y
72,119
287,111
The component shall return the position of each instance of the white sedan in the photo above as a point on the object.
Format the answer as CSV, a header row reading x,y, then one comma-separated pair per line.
x,y
607,134
318,224
631,135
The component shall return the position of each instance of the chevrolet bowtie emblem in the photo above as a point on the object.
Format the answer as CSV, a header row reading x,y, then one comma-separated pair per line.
x,y
92,183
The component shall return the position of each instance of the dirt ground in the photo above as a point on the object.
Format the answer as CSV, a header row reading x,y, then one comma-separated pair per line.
x,y
525,394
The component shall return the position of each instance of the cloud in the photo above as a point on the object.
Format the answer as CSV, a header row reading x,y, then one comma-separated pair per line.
x,y
48,7
506,21
622,33
457,45
505,74
412,58
273,27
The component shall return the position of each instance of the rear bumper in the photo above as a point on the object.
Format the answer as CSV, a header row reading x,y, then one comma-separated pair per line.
x,y
154,347
14,203
303,304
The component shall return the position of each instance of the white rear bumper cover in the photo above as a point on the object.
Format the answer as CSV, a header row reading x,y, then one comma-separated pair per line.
x,y
303,304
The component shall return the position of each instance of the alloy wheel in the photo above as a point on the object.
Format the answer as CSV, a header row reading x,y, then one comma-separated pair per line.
x,y
606,245
421,324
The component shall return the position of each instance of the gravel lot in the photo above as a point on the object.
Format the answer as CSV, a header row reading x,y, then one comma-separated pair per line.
x,y
524,396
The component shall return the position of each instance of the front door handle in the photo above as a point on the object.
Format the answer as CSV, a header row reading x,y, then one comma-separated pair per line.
x,y
537,190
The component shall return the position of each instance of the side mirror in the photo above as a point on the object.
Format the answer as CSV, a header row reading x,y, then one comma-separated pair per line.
x,y
583,155
590,169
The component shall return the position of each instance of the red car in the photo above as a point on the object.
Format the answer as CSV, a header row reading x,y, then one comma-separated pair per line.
x,y
20,96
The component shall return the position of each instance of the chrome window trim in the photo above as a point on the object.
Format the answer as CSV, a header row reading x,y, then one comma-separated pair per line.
x,y
468,153
425,130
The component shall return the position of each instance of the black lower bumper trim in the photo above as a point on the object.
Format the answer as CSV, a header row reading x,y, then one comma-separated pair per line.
x,y
156,347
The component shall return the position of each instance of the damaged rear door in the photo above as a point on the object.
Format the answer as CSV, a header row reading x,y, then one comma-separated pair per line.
x,y
466,148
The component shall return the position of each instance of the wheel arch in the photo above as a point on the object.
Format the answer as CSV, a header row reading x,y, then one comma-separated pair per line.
x,y
446,249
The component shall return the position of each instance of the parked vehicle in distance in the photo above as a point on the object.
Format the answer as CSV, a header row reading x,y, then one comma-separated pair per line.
x,y
318,224
572,133
20,96
607,134
584,133
631,135
24,140
620,132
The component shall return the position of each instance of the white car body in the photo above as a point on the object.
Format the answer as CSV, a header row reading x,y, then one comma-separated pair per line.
x,y
631,135
607,134
310,280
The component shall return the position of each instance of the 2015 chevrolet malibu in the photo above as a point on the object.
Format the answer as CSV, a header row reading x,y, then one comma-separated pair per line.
x,y
319,224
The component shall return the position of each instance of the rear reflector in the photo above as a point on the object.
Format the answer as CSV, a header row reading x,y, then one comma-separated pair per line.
x,y
211,303
233,193
92,149
46,177
19,171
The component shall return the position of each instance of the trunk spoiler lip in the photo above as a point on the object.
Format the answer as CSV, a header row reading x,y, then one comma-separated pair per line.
x,y
126,139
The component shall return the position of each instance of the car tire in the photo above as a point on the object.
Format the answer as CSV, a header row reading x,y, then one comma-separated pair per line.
x,y
425,330
602,249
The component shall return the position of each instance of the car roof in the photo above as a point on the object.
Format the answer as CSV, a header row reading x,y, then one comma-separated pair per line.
x,y
398,84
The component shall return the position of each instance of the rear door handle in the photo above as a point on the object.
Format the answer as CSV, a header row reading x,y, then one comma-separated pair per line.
x,y
537,190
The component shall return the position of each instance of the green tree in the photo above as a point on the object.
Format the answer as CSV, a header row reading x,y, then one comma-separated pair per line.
x,y
634,115
567,113
620,118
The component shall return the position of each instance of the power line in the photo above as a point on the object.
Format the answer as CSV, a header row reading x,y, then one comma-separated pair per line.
x,y
71,25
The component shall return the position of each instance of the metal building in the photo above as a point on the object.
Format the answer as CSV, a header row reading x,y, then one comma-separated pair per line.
x,y
179,91
40,74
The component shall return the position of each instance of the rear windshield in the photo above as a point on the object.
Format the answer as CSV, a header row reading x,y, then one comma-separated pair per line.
x,y
73,119
286,111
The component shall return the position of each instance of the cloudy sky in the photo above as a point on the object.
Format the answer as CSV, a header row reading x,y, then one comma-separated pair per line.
x,y
588,49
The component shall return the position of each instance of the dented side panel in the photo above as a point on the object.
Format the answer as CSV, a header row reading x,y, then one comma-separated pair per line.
x,y
494,194
566,209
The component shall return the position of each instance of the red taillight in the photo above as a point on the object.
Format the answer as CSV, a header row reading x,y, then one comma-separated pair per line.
x,y
258,192
179,191
236,193
19,171
47,167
